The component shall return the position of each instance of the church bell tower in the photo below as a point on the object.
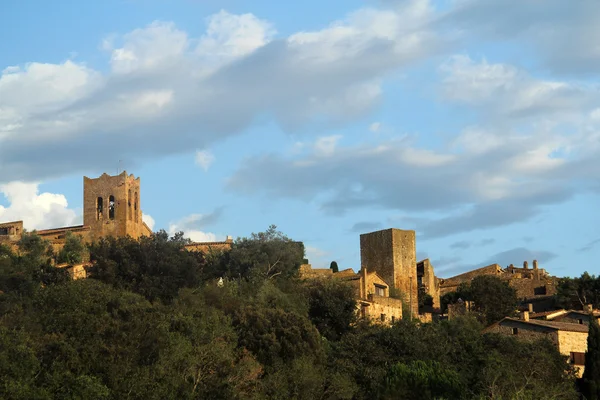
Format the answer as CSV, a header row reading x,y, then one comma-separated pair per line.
x,y
111,206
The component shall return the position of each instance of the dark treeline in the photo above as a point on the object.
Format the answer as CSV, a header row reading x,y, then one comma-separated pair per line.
x,y
153,322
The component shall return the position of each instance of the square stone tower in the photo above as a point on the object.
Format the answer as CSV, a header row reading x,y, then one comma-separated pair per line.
x,y
392,254
111,206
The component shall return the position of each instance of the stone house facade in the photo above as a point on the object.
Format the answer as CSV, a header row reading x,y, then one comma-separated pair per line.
x,y
570,339
371,292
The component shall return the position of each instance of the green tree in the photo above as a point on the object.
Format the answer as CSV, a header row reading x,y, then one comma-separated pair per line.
x,y
422,380
156,266
332,307
591,374
263,255
494,299
72,251
334,266
574,293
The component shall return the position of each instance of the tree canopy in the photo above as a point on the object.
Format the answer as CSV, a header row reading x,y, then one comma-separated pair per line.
x,y
154,321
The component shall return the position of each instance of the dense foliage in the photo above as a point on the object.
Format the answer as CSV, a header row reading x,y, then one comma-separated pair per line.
x,y
152,322
591,374
493,298
574,293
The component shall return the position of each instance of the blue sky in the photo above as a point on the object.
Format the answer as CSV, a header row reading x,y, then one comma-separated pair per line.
x,y
474,123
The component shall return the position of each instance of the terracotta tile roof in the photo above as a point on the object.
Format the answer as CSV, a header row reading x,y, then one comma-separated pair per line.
x,y
546,313
559,326
63,229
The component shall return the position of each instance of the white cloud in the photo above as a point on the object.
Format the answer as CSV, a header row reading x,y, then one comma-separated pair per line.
x,y
375,127
148,220
42,87
480,178
230,36
204,159
504,89
162,80
325,145
158,45
36,210
193,226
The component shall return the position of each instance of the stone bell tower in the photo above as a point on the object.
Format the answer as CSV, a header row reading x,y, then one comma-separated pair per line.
x,y
111,206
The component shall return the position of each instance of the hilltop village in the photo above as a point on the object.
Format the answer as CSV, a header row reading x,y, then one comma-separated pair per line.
x,y
391,283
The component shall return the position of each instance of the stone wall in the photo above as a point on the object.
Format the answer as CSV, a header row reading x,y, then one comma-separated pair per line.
x,y
207,247
574,318
112,206
384,310
392,254
11,231
451,284
524,331
529,283
573,342
431,283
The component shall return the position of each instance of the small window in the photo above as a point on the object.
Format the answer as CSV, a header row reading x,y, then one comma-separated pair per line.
x,y
129,208
393,319
382,317
540,291
577,358
135,207
380,291
515,331
580,321
4,232
99,208
111,207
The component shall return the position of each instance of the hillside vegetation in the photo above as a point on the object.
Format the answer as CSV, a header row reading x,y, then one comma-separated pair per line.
x,y
153,322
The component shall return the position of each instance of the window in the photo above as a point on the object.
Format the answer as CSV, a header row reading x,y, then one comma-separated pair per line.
x,y
382,317
111,207
393,319
135,207
540,291
577,358
129,208
515,331
99,208
580,321
380,291
3,231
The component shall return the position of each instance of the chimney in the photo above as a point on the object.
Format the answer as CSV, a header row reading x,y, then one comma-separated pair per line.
x,y
229,239
535,264
588,308
530,307
525,265
525,316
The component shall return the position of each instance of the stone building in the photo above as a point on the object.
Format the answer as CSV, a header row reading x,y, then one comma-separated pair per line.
x,y
111,207
532,285
392,254
208,247
570,339
581,317
426,278
372,293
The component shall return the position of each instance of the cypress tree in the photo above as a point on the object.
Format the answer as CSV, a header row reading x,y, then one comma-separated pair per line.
x,y
591,374
334,266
